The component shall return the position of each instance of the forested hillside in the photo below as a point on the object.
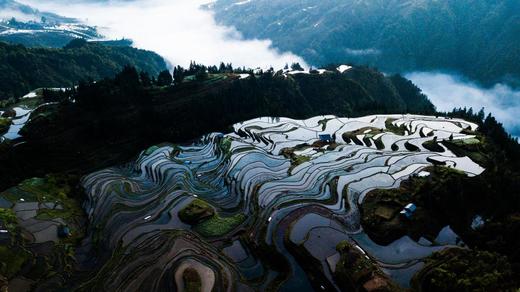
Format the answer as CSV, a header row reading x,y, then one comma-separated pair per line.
x,y
113,118
396,36
24,69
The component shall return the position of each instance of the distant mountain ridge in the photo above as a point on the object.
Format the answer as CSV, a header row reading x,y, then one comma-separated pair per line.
x,y
482,42
10,8
23,24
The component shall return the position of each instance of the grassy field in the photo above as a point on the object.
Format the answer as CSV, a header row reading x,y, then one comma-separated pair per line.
x,y
12,260
218,226
8,218
196,211
394,129
5,123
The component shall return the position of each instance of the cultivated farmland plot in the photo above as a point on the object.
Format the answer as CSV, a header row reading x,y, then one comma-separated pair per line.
x,y
273,182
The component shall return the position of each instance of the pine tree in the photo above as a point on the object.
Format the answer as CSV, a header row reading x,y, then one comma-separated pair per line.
x,y
481,115
164,78
178,74
296,67
222,67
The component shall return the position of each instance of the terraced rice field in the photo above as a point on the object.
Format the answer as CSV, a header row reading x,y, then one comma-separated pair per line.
x,y
21,117
291,187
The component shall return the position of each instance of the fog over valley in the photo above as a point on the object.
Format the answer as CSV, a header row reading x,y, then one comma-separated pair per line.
x,y
448,91
179,30
182,31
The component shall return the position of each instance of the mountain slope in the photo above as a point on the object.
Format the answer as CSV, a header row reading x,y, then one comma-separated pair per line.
x,y
24,69
483,42
279,163
282,164
112,119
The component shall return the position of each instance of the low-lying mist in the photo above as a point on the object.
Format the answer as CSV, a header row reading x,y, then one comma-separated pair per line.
x,y
449,91
6,14
176,29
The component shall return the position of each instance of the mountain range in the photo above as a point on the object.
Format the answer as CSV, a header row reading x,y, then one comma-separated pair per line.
x,y
392,35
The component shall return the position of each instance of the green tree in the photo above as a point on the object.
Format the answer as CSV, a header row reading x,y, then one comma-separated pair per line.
x,y
178,74
76,44
164,78
296,67
481,115
128,78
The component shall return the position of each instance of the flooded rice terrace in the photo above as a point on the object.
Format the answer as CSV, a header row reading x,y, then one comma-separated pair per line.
x,y
276,185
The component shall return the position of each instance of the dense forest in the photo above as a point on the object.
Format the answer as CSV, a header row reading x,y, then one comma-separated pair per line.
x,y
396,36
24,69
111,119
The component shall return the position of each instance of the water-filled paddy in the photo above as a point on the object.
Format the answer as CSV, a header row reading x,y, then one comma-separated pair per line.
x,y
313,203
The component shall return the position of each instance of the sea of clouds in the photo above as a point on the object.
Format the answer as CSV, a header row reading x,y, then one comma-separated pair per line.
x,y
178,30
448,91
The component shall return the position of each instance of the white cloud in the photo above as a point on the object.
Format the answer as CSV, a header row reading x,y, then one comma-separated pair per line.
x,y
176,29
449,91
7,14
